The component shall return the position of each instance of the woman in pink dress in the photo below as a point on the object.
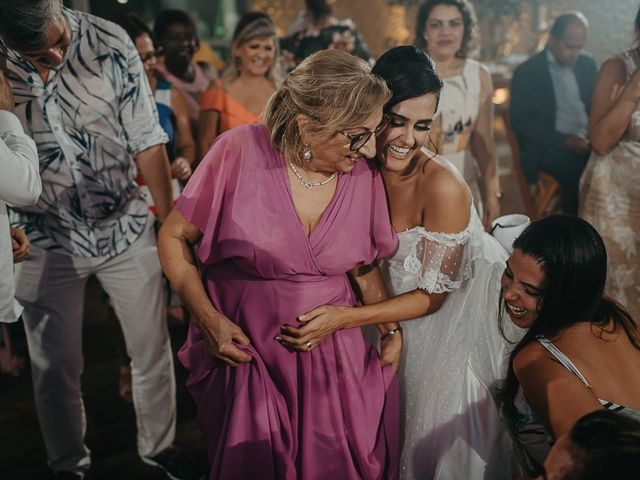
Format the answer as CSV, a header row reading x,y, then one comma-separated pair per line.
x,y
285,215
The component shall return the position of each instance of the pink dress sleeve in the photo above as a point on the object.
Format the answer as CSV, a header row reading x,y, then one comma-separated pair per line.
x,y
203,199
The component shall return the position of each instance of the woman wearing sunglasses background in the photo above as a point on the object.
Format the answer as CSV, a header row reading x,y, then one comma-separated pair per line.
x,y
445,275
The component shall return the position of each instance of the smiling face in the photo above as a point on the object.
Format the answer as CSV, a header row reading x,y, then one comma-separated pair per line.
x,y
408,130
523,283
444,31
334,154
256,55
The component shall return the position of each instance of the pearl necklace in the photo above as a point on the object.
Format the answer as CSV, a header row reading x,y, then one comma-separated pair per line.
x,y
308,183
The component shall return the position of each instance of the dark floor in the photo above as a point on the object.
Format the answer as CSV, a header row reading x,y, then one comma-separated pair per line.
x,y
111,432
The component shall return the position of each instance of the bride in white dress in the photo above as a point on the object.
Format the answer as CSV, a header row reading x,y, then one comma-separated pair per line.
x,y
446,277
454,356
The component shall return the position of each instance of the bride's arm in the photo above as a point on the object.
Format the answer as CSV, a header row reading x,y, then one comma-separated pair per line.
x,y
447,207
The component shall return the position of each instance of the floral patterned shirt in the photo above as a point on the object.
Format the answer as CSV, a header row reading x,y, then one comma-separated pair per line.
x,y
88,120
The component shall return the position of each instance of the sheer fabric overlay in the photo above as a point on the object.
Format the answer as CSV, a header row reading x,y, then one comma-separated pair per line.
x,y
454,359
439,260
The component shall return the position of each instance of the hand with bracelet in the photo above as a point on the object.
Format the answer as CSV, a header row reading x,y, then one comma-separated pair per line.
x,y
391,346
315,325
319,323
377,309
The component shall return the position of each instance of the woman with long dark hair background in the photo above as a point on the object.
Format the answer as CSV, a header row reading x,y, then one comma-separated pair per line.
x,y
581,352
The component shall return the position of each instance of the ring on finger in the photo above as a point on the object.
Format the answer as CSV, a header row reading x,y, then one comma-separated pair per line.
x,y
308,345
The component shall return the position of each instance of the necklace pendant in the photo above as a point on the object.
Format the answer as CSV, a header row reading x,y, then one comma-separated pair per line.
x,y
307,183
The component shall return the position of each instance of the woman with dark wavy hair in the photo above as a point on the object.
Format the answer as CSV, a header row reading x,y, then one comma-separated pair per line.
x,y
581,352
446,29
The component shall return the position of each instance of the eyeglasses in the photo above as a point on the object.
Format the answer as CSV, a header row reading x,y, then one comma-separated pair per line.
x,y
149,56
359,140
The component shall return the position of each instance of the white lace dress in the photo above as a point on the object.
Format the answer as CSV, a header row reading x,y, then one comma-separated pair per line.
x,y
454,358
610,201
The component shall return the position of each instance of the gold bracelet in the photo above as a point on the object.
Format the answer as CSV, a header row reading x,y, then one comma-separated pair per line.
x,y
391,333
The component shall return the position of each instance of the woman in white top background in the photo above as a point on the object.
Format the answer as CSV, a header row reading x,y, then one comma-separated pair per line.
x,y
446,30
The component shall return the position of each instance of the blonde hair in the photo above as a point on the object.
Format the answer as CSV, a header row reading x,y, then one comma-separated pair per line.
x,y
335,91
261,28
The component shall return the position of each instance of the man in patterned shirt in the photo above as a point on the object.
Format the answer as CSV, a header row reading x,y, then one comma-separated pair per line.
x,y
81,93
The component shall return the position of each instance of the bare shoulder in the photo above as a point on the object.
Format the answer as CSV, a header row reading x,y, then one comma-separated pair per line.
x,y
446,196
613,70
531,358
440,181
486,83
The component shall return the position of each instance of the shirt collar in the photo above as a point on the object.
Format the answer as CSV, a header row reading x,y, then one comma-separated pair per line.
x,y
554,63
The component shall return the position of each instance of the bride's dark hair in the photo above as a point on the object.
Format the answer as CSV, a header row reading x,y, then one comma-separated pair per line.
x,y
409,73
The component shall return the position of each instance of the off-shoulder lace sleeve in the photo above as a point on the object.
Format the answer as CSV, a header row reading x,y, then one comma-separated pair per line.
x,y
438,260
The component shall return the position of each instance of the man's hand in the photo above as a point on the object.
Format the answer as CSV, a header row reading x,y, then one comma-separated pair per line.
x,y
578,144
19,244
6,95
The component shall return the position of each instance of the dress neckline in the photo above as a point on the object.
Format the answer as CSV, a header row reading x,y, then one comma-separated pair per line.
x,y
237,102
323,216
422,229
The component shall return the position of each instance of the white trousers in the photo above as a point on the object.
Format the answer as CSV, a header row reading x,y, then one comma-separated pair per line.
x,y
51,288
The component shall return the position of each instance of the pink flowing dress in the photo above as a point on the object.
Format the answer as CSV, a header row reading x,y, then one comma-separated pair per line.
x,y
331,413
